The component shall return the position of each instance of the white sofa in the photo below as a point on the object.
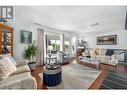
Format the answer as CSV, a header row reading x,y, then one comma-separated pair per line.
x,y
101,55
20,79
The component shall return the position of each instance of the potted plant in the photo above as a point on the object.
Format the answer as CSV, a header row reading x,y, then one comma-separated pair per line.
x,y
29,54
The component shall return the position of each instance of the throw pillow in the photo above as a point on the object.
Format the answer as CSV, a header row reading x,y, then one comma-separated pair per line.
x,y
102,52
10,57
97,51
109,52
6,68
92,52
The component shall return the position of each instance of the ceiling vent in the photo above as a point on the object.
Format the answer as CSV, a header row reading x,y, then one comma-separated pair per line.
x,y
94,24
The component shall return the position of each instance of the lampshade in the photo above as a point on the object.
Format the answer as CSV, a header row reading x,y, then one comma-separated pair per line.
x,y
50,48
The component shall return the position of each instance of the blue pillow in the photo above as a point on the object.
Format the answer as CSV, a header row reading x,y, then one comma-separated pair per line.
x,y
109,52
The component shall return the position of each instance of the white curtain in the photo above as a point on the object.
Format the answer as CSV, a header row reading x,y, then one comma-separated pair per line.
x,y
40,46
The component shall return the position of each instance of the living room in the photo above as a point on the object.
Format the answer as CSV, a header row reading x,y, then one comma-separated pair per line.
x,y
93,36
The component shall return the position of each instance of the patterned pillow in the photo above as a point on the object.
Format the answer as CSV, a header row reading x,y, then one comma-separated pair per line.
x,y
92,52
8,56
109,52
6,68
97,51
102,52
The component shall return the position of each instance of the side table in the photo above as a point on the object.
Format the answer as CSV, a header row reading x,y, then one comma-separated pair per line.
x,y
52,77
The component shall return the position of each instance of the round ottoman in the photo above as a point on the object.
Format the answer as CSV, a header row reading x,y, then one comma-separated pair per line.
x,y
52,77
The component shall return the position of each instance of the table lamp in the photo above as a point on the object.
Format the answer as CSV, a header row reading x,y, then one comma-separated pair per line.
x,y
50,48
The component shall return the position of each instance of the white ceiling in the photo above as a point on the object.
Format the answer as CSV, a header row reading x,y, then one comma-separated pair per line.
x,y
77,19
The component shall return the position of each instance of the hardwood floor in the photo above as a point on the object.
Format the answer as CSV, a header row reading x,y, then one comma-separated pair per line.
x,y
35,73
103,67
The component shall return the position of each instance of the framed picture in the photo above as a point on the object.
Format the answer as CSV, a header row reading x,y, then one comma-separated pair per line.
x,y
26,37
107,40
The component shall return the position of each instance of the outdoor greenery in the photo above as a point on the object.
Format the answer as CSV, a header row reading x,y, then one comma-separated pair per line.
x,y
56,47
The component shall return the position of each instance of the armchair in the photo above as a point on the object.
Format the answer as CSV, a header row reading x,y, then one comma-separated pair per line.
x,y
62,57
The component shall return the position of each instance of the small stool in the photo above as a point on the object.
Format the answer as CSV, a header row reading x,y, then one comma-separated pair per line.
x,y
52,77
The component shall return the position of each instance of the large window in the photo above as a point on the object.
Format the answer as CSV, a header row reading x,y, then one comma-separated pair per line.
x,y
53,42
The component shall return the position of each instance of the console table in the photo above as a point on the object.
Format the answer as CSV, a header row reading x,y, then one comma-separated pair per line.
x,y
91,61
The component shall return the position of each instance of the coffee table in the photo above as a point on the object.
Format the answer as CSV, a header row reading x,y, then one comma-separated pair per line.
x,y
94,61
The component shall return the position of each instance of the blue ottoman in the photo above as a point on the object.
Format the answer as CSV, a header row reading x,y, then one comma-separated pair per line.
x,y
52,77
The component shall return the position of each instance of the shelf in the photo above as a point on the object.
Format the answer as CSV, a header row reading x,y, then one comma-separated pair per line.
x,y
6,39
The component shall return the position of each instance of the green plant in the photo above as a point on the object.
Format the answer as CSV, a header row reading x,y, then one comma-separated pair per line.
x,y
30,52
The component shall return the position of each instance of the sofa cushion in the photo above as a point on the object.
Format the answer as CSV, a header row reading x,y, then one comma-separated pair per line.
x,y
21,62
106,57
109,52
15,81
21,69
98,56
6,68
103,60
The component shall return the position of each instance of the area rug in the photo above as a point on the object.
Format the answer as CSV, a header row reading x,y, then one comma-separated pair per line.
x,y
76,76
114,80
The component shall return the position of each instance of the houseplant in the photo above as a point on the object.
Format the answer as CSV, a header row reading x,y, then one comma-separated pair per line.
x,y
29,54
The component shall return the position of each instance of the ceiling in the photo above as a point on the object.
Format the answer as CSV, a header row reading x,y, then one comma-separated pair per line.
x,y
74,19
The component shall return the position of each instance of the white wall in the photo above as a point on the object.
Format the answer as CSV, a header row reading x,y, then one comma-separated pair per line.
x,y
24,25
91,40
18,46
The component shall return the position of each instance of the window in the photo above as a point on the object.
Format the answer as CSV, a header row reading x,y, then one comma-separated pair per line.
x,y
66,45
54,42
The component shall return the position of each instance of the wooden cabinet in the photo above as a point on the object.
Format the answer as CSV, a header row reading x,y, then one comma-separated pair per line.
x,y
80,51
6,39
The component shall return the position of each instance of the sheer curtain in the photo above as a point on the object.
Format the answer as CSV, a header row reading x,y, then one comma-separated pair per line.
x,y
40,46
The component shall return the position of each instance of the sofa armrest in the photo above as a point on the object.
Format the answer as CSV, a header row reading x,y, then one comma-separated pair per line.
x,y
29,83
21,62
114,58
